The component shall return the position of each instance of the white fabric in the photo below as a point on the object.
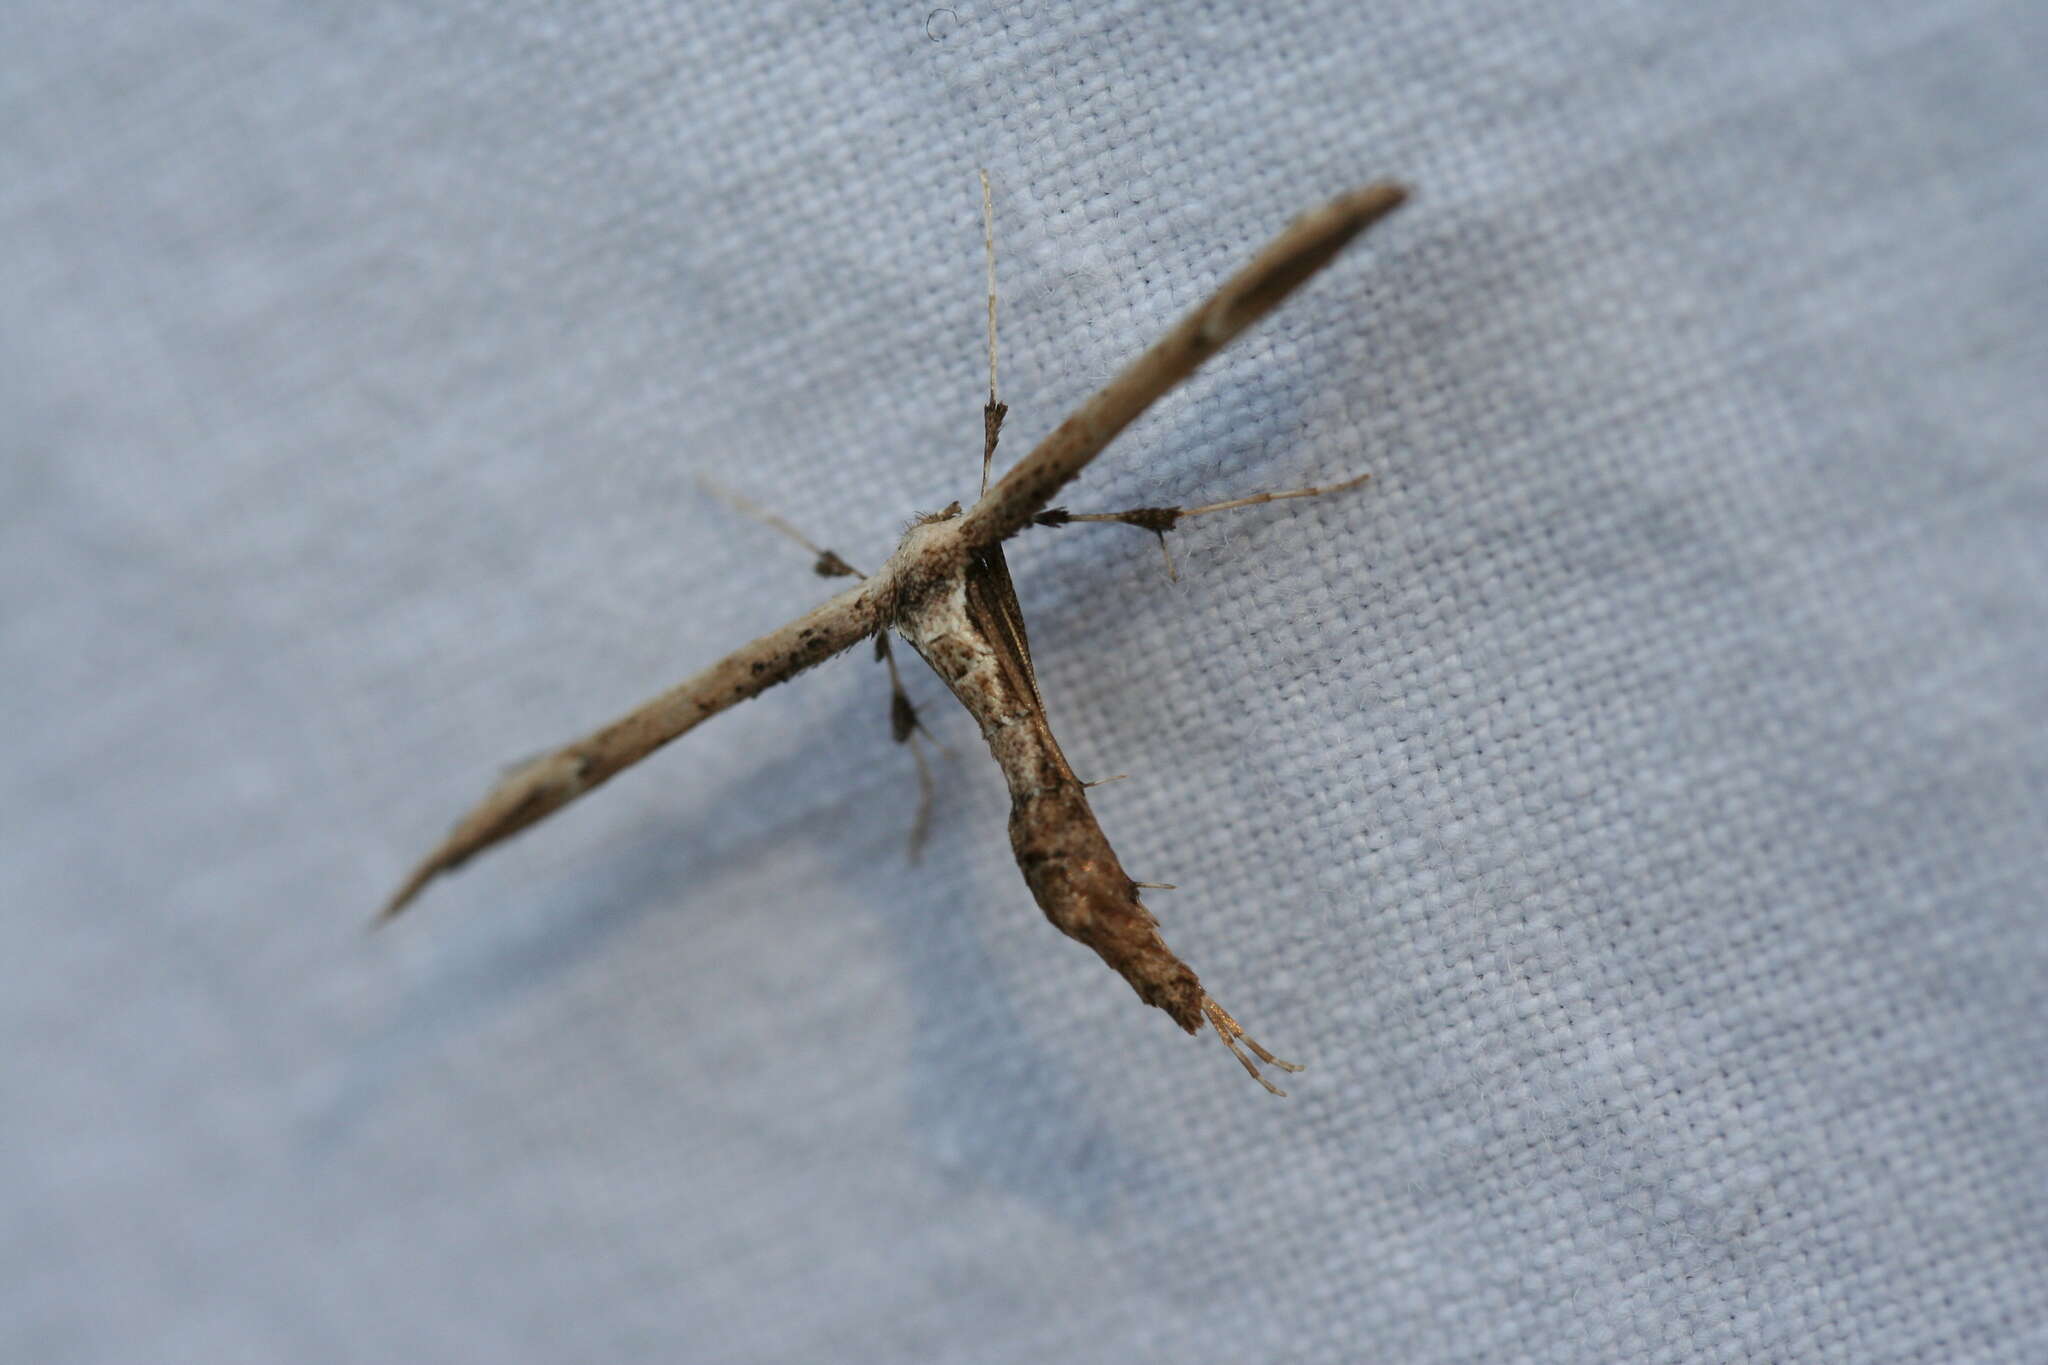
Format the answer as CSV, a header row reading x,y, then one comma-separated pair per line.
x,y
1630,804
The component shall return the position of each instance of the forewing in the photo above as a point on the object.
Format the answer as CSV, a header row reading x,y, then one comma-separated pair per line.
x,y
992,605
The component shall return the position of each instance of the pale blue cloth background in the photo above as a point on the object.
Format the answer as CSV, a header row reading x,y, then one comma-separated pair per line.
x,y
1632,804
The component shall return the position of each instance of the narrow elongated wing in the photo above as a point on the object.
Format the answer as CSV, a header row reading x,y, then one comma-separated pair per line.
x,y
1304,247
539,788
992,602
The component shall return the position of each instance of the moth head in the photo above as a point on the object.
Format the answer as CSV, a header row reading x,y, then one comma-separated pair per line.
x,y
928,558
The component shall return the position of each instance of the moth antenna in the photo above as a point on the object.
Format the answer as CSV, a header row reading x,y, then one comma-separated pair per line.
x,y
1105,781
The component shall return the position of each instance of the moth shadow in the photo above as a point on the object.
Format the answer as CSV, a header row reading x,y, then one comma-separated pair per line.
x,y
556,932
988,1106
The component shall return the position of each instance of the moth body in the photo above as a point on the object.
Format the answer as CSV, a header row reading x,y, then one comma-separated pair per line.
x,y
946,590
972,634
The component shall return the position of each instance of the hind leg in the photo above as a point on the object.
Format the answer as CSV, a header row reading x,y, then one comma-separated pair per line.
x,y
1160,520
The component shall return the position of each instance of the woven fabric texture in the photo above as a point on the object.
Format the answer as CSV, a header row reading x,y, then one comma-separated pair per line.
x,y
1630,804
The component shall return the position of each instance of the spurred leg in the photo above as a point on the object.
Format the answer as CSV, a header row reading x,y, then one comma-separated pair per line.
x,y
1160,520
904,723
1308,244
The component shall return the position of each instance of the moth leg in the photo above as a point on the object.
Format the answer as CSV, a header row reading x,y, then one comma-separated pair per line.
x,y
1307,244
1232,1033
994,411
904,724
1160,520
828,563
